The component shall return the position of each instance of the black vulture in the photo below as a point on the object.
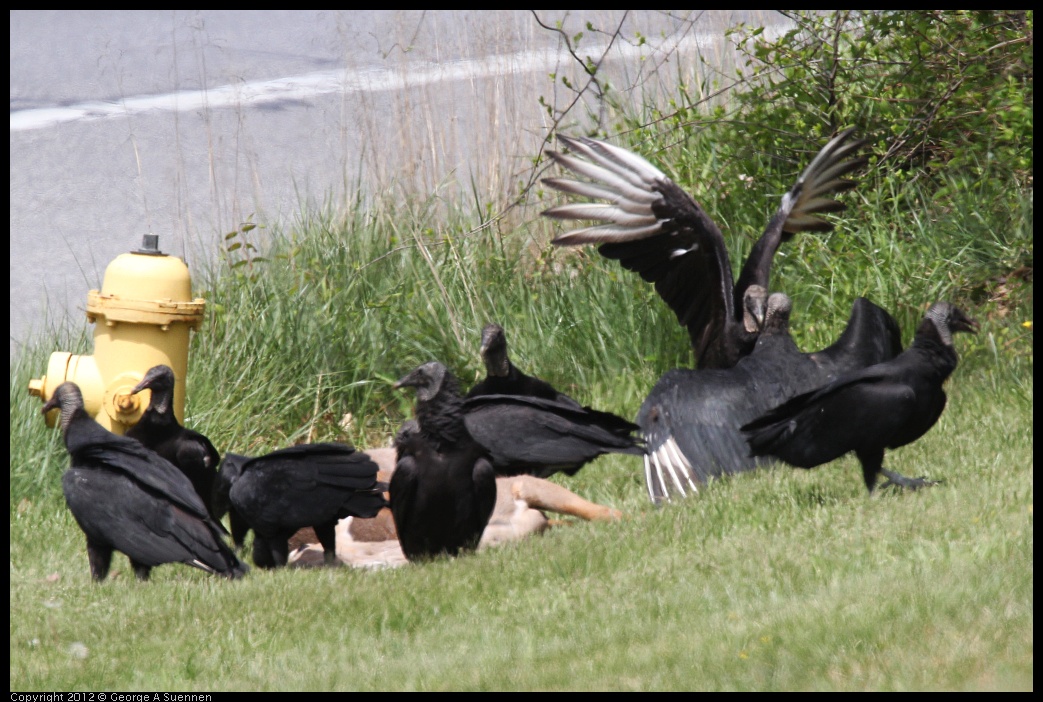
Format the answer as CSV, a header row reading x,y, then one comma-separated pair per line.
x,y
653,227
504,378
443,489
530,427
310,485
127,498
691,419
884,406
160,431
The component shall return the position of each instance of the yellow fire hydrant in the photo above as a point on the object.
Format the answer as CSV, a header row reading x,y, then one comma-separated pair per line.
x,y
142,317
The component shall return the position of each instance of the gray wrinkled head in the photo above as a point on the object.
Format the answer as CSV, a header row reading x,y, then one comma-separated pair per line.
x,y
426,378
494,351
777,313
754,303
68,398
948,319
160,380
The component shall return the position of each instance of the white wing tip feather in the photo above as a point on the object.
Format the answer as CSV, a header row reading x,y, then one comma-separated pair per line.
x,y
606,234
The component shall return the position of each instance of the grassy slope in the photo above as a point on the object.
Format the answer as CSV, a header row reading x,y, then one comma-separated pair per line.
x,y
781,579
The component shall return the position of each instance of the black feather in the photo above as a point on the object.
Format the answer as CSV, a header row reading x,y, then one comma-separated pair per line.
x,y
127,498
443,489
310,485
866,411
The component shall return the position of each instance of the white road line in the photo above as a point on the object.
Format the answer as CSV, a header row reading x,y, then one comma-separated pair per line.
x,y
310,85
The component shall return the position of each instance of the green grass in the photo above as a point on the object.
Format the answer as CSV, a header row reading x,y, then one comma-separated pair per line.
x,y
776,580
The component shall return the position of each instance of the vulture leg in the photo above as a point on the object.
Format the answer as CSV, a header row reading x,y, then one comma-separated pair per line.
x,y
281,551
327,534
239,528
263,553
899,480
100,558
141,570
872,463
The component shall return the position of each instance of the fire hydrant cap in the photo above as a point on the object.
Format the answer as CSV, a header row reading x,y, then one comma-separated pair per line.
x,y
146,289
148,277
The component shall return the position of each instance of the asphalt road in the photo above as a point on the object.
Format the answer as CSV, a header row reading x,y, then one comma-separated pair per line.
x,y
184,124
